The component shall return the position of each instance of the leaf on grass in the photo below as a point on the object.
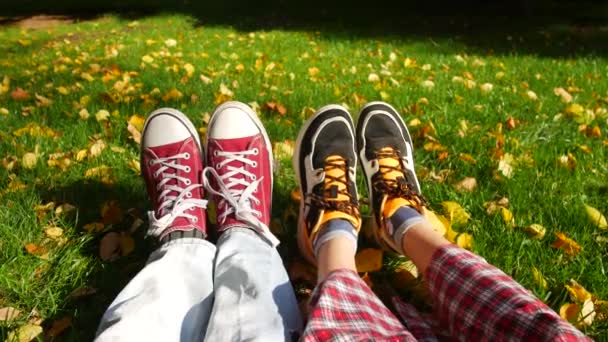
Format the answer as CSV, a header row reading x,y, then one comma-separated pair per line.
x,y
102,115
224,94
464,240
53,232
19,94
59,326
539,279
455,213
563,95
536,231
97,147
134,165
135,125
83,114
577,292
94,227
507,217
8,314
369,260
283,150
493,207
468,184
25,333
566,244
103,173
567,161
506,165
596,217
275,106
29,160
111,213
569,312
296,195
35,249
405,275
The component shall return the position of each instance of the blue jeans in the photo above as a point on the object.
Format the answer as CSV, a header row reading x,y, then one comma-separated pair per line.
x,y
191,290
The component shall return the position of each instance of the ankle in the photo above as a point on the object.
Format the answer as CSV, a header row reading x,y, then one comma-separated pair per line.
x,y
332,229
336,254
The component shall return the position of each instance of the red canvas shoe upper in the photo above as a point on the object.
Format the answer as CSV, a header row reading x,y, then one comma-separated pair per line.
x,y
173,176
239,172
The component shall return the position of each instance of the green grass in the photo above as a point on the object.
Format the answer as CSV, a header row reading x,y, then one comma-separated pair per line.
x,y
40,61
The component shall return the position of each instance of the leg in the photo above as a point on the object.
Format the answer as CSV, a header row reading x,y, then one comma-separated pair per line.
x,y
171,298
343,307
473,300
253,297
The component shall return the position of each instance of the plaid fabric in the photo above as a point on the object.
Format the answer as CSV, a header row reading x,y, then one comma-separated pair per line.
x,y
473,301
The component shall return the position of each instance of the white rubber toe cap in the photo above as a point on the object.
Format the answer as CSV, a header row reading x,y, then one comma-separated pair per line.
x,y
163,129
232,123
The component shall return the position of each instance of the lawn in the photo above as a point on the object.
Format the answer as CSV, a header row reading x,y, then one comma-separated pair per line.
x,y
520,116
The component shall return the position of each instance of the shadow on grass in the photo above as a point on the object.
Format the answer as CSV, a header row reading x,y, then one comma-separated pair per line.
x,y
105,279
552,28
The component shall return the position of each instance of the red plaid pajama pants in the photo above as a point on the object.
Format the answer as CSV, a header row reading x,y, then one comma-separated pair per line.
x,y
473,301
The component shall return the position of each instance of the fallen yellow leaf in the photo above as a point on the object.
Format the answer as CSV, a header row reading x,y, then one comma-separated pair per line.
x,y
53,232
29,160
569,312
536,231
468,184
25,333
439,223
111,213
596,217
577,292
539,279
94,227
102,115
369,260
455,213
507,217
405,275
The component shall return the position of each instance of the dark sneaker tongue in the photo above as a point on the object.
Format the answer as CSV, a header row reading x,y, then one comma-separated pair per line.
x,y
336,186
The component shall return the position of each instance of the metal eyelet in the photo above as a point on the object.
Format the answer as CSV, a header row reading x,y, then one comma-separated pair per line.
x,y
255,164
186,155
257,202
216,153
187,169
254,177
255,151
188,182
195,219
151,163
189,194
217,166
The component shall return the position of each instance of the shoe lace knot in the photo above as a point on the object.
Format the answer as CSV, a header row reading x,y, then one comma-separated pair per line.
x,y
237,189
336,195
174,200
392,178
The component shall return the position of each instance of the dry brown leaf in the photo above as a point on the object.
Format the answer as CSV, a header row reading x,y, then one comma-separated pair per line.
x,y
275,106
19,94
369,260
468,184
109,247
8,314
59,326
296,195
493,207
563,94
283,149
111,213
97,147
467,158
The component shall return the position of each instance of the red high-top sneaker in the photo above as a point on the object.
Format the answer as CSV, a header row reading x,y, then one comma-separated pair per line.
x,y
239,171
172,166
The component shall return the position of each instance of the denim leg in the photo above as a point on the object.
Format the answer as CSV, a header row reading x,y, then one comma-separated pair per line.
x,y
170,299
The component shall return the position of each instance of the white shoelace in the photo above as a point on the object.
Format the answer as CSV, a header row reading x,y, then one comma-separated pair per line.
x,y
177,206
239,201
